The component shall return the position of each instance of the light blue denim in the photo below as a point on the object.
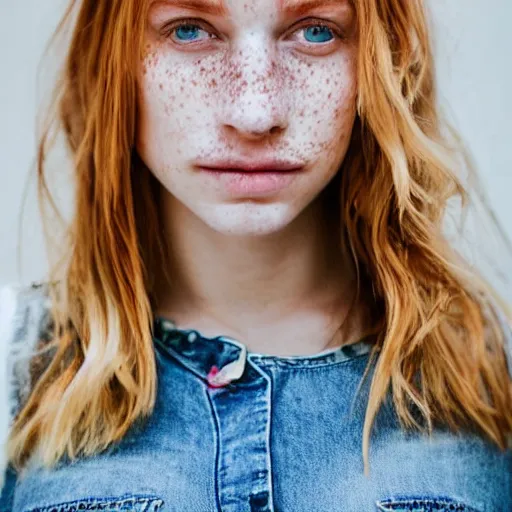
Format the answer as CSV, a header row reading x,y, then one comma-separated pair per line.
x,y
284,437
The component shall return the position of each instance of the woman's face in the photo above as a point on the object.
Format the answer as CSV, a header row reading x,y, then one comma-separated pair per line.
x,y
255,84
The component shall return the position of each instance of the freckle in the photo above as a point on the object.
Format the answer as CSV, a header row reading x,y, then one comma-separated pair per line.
x,y
181,105
194,83
161,86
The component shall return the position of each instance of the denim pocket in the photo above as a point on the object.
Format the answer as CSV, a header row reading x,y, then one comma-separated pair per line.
x,y
124,503
416,504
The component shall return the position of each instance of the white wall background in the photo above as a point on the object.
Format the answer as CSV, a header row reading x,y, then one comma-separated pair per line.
x,y
473,44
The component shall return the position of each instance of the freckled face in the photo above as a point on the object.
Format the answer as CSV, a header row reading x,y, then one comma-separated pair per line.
x,y
254,83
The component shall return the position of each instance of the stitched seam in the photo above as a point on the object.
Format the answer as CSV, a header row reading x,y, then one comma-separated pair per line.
x,y
99,503
217,451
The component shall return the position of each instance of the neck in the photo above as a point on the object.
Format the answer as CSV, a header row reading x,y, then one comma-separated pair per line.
x,y
295,286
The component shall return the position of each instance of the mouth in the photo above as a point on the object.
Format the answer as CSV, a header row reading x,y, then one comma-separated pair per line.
x,y
254,166
253,183
248,171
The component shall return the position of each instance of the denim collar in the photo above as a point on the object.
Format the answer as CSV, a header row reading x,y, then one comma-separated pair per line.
x,y
221,359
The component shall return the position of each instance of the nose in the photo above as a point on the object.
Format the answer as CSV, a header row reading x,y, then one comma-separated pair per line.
x,y
254,103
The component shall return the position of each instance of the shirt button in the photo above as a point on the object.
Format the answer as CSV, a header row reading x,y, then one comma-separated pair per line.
x,y
192,337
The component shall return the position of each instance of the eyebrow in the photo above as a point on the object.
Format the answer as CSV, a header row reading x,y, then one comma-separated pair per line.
x,y
212,7
287,7
300,7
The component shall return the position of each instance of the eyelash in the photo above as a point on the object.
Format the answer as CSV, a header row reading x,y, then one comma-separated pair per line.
x,y
169,29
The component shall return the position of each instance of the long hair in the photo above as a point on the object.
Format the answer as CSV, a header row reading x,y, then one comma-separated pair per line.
x,y
440,345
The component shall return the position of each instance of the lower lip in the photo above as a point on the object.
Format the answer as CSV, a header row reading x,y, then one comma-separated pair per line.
x,y
253,183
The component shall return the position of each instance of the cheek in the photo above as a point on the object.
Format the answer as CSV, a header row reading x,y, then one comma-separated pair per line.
x,y
328,94
174,97
325,103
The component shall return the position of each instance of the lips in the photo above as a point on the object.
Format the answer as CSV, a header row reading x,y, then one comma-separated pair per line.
x,y
253,165
253,184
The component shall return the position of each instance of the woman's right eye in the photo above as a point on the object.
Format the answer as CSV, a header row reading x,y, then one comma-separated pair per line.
x,y
185,32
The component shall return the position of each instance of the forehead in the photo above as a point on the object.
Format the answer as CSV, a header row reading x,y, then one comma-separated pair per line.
x,y
220,7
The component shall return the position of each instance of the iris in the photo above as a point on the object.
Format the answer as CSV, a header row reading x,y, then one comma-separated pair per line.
x,y
187,32
318,33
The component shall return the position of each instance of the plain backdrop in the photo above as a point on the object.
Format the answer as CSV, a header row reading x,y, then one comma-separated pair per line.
x,y
473,43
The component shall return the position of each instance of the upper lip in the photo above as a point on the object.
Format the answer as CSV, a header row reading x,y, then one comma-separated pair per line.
x,y
252,165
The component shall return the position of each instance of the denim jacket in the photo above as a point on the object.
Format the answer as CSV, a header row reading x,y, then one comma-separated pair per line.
x,y
236,431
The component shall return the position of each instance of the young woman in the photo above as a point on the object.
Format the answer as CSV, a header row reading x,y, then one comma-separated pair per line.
x,y
259,310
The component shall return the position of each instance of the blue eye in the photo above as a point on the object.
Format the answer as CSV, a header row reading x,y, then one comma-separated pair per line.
x,y
187,32
318,34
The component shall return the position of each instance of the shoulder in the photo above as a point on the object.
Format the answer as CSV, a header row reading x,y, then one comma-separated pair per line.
x,y
23,312
24,317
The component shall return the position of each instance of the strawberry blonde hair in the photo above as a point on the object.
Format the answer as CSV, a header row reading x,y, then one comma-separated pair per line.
x,y
440,343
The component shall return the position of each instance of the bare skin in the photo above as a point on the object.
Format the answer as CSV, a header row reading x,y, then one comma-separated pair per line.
x,y
256,80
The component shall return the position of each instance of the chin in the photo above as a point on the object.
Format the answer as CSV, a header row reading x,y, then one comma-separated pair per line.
x,y
248,219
